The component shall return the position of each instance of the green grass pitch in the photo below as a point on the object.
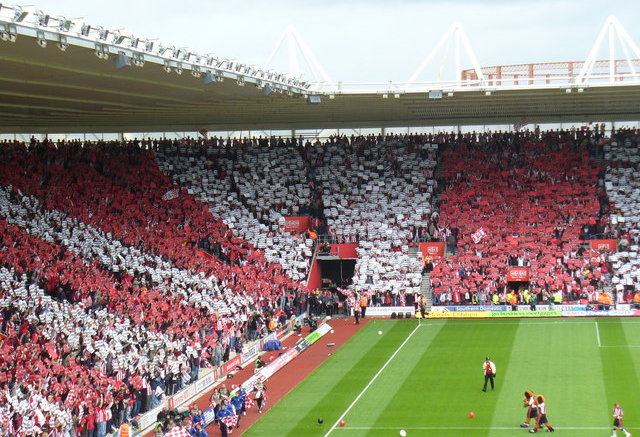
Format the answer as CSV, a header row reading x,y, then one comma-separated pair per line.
x,y
426,378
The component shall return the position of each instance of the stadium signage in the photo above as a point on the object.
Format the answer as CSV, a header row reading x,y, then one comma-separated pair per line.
x,y
459,315
442,309
600,313
297,224
387,311
284,358
431,249
182,396
207,380
209,416
604,245
150,417
250,353
230,365
518,274
505,314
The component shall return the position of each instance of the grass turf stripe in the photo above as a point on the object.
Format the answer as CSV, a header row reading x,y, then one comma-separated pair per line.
x,y
333,385
543,358
373,380
446,382
620,372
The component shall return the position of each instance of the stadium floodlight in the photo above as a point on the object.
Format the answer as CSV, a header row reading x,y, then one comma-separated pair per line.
x,y
122,60
64,25
450,94
63,45
118,38
487,93
580,90
332,96
19,15
568,90
43,19
104,34
42,40
385,96
396,96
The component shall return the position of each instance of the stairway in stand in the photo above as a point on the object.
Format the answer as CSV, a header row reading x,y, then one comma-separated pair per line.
x,y
425,285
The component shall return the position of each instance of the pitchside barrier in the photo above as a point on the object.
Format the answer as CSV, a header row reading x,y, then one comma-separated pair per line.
x,y
498,311
210,377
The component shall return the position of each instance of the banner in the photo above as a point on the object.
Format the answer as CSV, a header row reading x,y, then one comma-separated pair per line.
x,y
151,416
267,371
442,309
431,249
209,415
604,245
505,314
518,274
344,250
386,311
182,396
297,224
459,315
478,235
230,365
207,380
251,352
600,313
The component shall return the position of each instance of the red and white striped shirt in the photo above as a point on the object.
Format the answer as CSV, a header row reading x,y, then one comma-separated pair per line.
x,y
542,408
618,413
103,414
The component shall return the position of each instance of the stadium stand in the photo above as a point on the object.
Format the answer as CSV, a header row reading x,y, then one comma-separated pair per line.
x,y
518,200
251,187
623,188
377,191
92,286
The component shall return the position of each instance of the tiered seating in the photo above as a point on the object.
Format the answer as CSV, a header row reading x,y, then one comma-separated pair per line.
x,y
378,192
124,312
131,208
532,198
251,188
623,188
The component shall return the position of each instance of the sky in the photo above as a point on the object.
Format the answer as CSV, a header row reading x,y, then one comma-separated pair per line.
x,y
364,40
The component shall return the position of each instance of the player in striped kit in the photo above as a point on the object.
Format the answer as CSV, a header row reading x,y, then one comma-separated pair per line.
x,y
542,415
529,402
617,421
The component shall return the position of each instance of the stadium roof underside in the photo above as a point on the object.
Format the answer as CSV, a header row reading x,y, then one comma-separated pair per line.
x,y
46,90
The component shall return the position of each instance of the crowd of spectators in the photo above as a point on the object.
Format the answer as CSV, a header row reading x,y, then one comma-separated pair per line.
x,y
522,199
377,191
622,154
251,187
107,302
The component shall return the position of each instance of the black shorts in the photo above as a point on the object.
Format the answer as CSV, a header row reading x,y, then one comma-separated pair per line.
x,y
617,423
532,413
543,419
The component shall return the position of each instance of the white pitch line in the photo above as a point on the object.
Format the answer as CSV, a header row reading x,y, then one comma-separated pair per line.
x,y
556,322
372,380
598,334
469,428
